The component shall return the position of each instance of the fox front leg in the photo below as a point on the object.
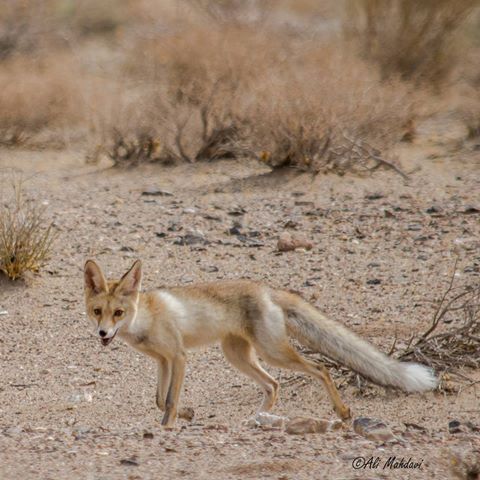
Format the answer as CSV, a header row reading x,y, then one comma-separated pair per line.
x,y
163,382
176,382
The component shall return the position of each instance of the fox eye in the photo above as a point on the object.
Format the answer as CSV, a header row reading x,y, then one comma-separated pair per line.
x,y
118,313
97,311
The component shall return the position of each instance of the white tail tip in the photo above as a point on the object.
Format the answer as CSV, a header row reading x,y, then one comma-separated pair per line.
x,y
418,378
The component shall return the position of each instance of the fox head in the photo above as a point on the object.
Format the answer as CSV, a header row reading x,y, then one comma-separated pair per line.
x,y
111,304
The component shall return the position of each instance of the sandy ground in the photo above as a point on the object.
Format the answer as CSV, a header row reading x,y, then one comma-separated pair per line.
x,y
70,408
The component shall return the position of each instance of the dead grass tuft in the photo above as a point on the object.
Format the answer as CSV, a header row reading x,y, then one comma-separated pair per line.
x,y
25,236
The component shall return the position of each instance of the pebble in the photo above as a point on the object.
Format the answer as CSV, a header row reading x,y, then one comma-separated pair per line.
x,y
265,419
156,192
301,425
288,242
373,429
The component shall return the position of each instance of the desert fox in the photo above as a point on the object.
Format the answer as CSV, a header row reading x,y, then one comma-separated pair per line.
x,y
246,318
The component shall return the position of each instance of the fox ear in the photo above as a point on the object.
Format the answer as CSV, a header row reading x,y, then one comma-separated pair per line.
x,y
132,280
94,280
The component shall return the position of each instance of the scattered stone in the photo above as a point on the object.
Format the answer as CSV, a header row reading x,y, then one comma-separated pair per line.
x,y
235,230
414,227
455,426
3,312
129,462
290,224
187,413
301,425
288,242
156,192
237,212
374,196
434,211
194,238
250,242
374,281
265,419
147,435
126,249
373,429
79,397
160,234
304,203
470,210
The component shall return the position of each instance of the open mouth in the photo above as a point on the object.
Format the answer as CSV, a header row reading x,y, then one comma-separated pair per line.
x,y
106,341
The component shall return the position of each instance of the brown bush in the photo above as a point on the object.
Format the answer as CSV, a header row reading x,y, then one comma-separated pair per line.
x,y
409,38
235,91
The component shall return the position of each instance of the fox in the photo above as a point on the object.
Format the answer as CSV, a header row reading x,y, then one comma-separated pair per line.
x,y
249,320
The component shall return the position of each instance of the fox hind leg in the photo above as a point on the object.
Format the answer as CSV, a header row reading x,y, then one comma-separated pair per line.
x,y
240,353
281,354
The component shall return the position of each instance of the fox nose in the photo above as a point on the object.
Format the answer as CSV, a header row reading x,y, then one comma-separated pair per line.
x,y
102,333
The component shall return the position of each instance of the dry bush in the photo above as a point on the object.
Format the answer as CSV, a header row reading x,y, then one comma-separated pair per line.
x,y
235,91
452,340
25,236
36,94
409,38
328,111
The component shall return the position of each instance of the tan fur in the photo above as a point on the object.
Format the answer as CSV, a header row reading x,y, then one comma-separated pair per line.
x,y
246,318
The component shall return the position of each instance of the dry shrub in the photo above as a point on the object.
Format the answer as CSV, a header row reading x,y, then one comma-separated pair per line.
x,y
415,39
328,111
235,91
25,235
445,347
36,94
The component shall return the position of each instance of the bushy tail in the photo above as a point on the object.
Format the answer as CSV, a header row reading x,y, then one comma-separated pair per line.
x,y
311,328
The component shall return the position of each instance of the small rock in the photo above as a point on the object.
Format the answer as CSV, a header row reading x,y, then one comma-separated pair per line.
x,y
126,249
148,435
187,413
374,281
434,211
374,196
237,211
160,234
301,425
373,429
265,419
156,192
194,238
235,230
470,210
455,426
288,242
250,242
414,227
3,312
79,397
290,224
130,462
